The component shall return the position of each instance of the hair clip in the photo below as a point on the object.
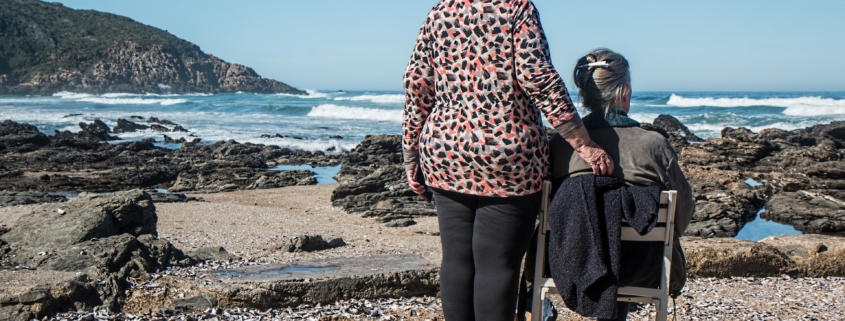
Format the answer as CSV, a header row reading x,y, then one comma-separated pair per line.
x,y
602,64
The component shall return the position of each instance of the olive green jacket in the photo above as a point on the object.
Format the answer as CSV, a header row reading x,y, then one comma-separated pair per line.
x,y
641,157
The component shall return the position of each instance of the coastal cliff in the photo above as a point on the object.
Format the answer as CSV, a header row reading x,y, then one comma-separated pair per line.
x,y
47,48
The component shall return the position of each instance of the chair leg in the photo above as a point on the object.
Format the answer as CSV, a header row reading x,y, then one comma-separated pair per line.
x,y
661,306
537,303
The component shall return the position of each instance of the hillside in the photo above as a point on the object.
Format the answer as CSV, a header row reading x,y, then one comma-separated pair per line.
x,y
47,47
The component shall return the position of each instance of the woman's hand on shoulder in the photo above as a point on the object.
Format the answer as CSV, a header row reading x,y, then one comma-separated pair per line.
x,y
591,152
598,159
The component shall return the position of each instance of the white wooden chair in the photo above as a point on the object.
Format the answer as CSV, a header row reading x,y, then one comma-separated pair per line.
x,y
543,283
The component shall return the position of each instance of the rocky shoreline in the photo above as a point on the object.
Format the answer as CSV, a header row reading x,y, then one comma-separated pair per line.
x,y
105,248
801,175
797,177
86,162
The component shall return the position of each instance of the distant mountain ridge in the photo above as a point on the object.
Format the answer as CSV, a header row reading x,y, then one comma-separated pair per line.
x,y
47,48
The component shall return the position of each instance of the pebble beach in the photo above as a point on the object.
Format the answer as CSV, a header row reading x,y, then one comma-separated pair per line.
x,y
251,224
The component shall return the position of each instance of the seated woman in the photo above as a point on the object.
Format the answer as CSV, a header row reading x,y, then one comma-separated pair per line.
x,y
642,157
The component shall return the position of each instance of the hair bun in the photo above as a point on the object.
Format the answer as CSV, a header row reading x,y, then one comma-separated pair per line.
x,y
600,90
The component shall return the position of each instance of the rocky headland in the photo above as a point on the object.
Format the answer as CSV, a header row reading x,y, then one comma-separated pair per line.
x,y
48,48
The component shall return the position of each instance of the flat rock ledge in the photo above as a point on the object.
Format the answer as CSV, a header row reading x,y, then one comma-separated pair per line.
x,y
26,293
793,255
320,281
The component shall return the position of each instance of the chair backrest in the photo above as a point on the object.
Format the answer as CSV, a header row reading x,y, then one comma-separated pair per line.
x,y
664,232
665,215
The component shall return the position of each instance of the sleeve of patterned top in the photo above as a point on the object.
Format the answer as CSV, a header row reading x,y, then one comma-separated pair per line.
x,y
419,96
535,73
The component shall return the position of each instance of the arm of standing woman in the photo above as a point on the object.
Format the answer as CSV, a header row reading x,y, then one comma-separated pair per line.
x,y
419,99
539,79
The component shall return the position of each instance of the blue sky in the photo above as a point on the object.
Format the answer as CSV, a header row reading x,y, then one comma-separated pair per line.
x,y
714,45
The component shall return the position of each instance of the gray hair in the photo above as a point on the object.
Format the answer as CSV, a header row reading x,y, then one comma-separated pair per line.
x,y
601,86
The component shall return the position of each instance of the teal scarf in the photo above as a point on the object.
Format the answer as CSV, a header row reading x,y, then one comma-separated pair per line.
x,y
615,118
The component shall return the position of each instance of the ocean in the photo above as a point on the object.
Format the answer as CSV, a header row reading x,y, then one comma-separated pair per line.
x,y
336,121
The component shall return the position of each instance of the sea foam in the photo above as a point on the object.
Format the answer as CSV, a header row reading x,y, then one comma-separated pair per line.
x,y
344,112
70,95
680,101
814,110
312,94
131,101
379,99
120,98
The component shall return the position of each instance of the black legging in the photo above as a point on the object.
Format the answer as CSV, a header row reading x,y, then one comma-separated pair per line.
x,y
484,240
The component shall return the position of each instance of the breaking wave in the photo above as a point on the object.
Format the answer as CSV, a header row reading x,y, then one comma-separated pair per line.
x,y
344,112
815,101
379,99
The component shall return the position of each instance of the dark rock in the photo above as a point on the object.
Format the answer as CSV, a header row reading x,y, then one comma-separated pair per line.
x,y
28,295
726,153
231,147
159,128
25,198
167,312
169,140
108,254
126,126
336,137
158,197
276,179
97,129
212,253
372,181
137,117
162,253
20,138
71,115
233,175
673,126
179,128
197,303
110,237
9,173
89,164
721,213
155,120
310,243
401,223
69,142
809,211
390,217
85,218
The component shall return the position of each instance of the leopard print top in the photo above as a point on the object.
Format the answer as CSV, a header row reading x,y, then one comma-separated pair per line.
x,y
478,78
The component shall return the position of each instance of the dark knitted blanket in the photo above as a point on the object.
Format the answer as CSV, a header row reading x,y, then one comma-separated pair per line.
x,y
585,216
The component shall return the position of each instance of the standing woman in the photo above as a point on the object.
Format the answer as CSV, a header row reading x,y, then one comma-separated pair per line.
x,y
479,76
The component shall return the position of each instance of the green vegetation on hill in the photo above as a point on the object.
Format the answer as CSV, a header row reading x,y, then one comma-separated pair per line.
x,y
47,47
